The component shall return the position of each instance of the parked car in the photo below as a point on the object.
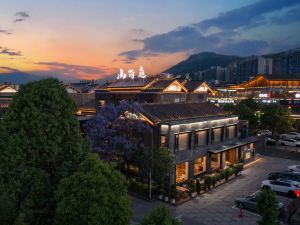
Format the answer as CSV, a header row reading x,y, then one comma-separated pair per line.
x,y
288,175
283,186
289,142
294,168
265,132
249,203
291,135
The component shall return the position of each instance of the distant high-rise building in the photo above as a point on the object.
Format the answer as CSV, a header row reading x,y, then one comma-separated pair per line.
x,y
286,62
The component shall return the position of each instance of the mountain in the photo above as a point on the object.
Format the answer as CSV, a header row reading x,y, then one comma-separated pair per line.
x,y
17,77
201,61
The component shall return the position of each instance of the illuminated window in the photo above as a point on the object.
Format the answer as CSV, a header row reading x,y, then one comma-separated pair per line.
x,y
230,156
101,103
215,161
200,165
174,87
182,172
163,141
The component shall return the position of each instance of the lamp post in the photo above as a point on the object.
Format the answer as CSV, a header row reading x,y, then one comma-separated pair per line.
x,y
150,173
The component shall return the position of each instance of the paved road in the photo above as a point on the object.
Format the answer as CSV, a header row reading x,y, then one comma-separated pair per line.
x,y
284,152
215,208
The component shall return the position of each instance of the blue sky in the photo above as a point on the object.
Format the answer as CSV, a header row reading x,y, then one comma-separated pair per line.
x,y
92,39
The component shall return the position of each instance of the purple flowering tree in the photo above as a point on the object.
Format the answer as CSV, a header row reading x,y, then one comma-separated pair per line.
x,y
117,133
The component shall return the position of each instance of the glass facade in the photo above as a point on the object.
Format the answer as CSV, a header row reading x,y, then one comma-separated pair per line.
x,y
202,137
217,135
232,132
182,172
200,165
215,161
163,141
182,141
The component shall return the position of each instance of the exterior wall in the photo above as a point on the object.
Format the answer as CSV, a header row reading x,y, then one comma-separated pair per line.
x,y
150,97
192,153
240,147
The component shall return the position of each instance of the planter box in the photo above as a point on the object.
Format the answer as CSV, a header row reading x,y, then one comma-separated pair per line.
x,y
173,201
166,198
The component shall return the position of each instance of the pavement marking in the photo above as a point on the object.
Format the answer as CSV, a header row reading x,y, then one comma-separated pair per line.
x,y
247,211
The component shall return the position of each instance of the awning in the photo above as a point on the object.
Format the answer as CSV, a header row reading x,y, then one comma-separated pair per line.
x,y
237,144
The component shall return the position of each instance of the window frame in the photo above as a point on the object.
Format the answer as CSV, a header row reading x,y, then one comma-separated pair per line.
x,y
176,143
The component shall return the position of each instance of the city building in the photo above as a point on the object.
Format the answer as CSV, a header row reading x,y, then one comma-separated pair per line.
x,y
7,91
283,89
202,136
287,62
152,90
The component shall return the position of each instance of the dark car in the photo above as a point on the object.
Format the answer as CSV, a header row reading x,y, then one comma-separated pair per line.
x,y
249,203
289,175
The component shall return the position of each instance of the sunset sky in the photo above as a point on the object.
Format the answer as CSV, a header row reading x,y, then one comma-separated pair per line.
x,y
91,39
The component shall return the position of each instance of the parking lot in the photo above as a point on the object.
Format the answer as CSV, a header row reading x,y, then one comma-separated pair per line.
x,y
217,206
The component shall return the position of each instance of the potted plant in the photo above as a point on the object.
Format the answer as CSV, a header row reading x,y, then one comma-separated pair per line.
x,y
213,180
206,183
160,192
166,193
191,187
227,173
218,177
173,194
198,186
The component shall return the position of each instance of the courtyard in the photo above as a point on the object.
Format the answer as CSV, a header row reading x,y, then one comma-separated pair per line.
x,y
217,206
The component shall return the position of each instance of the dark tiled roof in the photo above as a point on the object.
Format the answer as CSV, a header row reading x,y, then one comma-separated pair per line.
x,y
283,76
174,112
130,83
192,84
160,85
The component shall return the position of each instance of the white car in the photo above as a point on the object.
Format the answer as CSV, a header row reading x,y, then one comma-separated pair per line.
x,y
294,168
290,135
289,142
266,132
283,186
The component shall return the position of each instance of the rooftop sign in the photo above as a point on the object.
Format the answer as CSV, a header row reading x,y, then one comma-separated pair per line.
x,y
131,74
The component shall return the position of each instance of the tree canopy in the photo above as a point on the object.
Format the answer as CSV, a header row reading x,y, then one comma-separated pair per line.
x,y
94,194
41,153
40,143
276,118
267,207
160,216
117,133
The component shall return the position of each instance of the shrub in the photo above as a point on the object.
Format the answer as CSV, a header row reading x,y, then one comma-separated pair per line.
x,y
191,186
218,177
160,215
213,180
222,175
173,191
227,173
207,182
198,186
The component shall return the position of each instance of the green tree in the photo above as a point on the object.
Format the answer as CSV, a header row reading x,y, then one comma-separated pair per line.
x,y
267,207
40,144
95,194
276,119
160,216
246,113
160,161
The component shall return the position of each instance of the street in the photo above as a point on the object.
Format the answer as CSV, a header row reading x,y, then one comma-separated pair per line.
x,y
217,206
